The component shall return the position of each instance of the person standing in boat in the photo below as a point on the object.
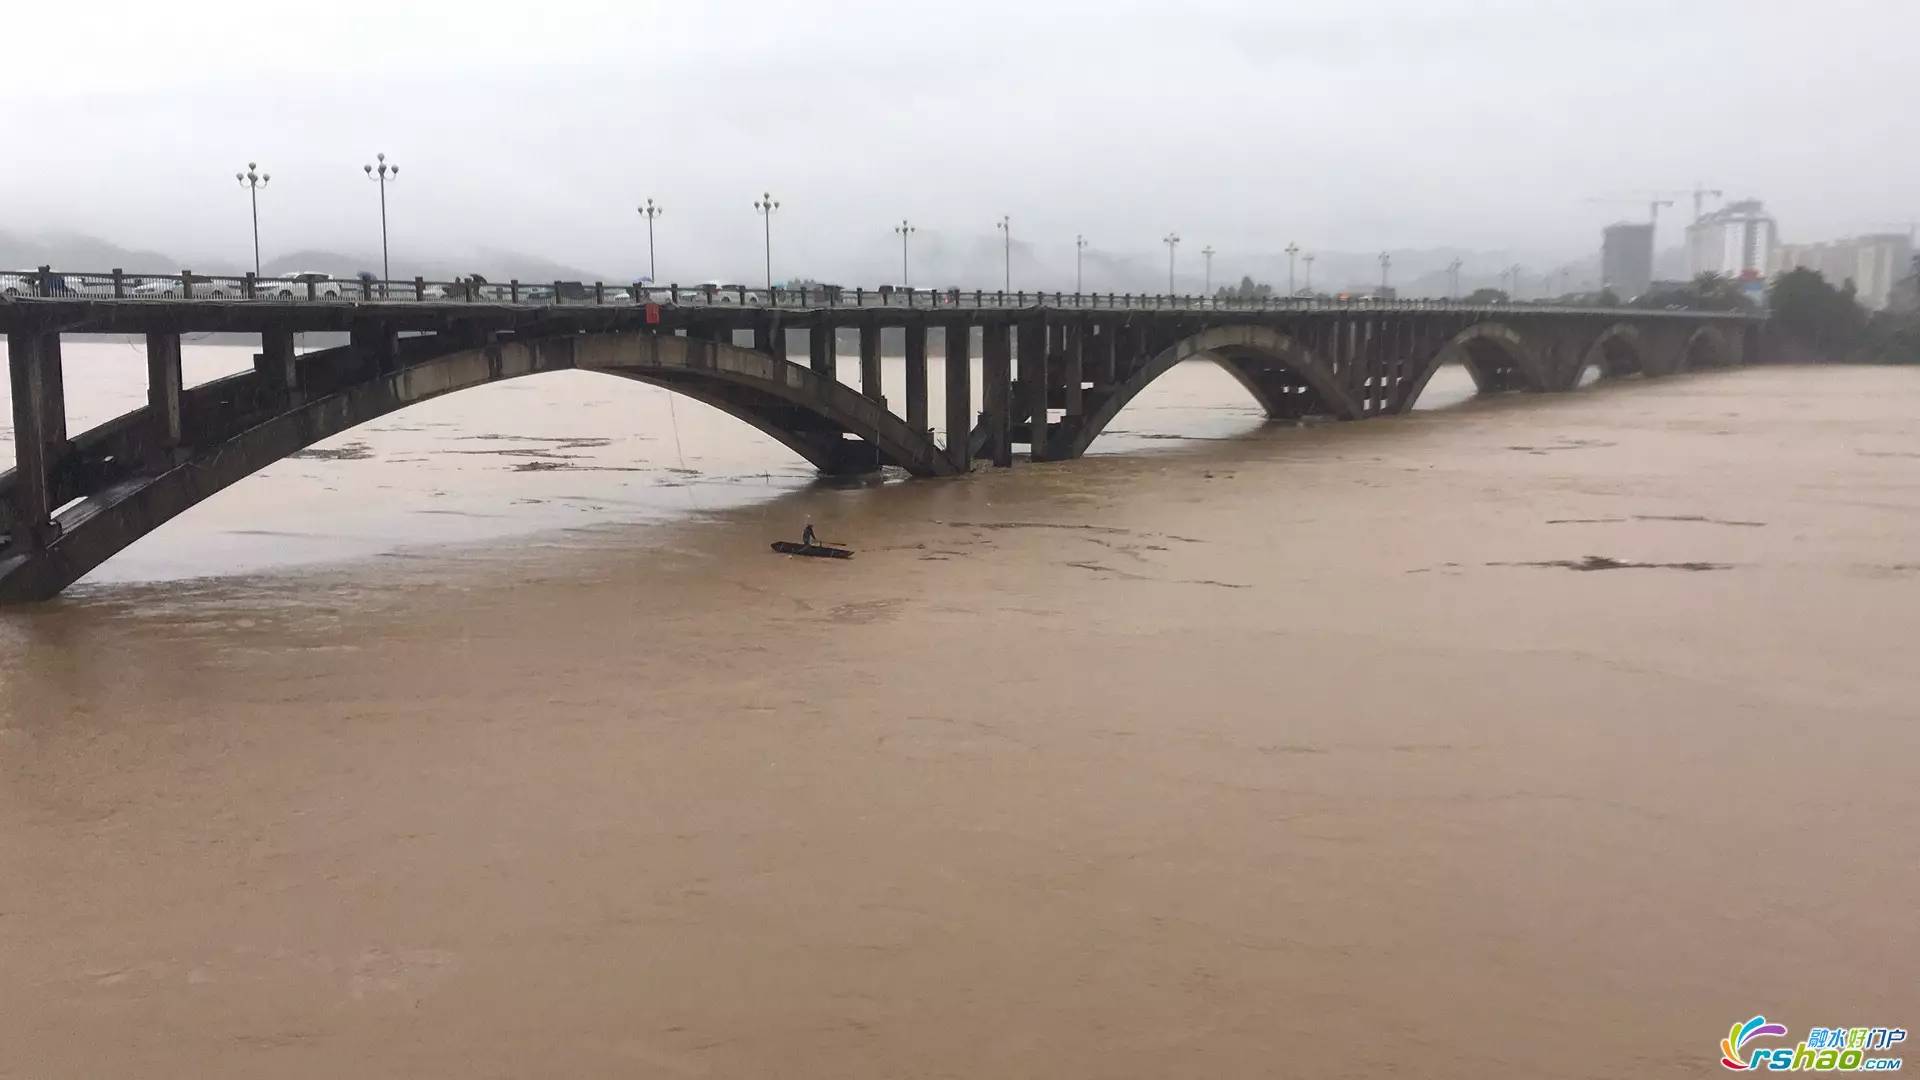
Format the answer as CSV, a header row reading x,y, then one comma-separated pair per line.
x,y
807,538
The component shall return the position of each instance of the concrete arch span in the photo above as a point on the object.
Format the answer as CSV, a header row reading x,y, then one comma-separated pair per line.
x,y
1618,351
1280,373
830,424
1495,355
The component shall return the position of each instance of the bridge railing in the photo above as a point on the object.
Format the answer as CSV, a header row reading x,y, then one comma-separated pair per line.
x,y
46,282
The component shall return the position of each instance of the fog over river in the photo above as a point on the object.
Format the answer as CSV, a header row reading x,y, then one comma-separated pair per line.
x,y
1541,736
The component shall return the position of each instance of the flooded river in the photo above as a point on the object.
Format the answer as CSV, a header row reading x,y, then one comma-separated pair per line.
x,y
1543,737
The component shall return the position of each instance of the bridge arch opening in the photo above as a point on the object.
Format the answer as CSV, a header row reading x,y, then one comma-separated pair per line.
x,y
1617,352
1277,371
1494,357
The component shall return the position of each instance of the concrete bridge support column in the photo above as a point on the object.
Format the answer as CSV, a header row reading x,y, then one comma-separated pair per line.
x,y
275,363
39,432
870,361
1035,343
1073,371
996,392
820,350
959,364
377,344
916,377
163,392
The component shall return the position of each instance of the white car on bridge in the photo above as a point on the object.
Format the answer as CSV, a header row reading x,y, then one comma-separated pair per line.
x,y
294,286
161,288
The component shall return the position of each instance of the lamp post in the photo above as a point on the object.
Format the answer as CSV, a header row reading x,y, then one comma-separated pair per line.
x,y
765,205
253,181
1386,261
1453,280
1172,240
1005,225
1079,262
382,173
1308,259
650,212
1206,288
905,229
1292,249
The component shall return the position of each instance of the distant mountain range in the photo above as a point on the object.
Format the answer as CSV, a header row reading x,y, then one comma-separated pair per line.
x,y
78,253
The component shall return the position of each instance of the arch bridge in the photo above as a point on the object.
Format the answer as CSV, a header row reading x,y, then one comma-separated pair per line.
x,y
1054,371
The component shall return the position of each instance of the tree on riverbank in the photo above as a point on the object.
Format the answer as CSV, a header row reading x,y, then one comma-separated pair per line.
x,y
1812,315
1706,292
1248,289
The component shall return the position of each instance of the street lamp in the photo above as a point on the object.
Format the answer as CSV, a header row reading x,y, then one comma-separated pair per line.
x,y
1308,259
650,212
905,230
1292,249
765,205
253,181
382,174
1206,289
1386,261
1172,240
1005,225
1079,261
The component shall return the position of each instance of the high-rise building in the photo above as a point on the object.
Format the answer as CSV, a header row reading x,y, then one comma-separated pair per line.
x,y
1626,258
1873,263
1736,240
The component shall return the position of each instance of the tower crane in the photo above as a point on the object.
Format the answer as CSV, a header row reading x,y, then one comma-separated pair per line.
x,y
1653,207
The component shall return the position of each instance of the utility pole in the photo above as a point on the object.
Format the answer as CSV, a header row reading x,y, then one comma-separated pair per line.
x,y
1293,249
384,173
1453,280
905,230
1207,288
765,205
253,181
1079,260
651,211
1005,225
1172,240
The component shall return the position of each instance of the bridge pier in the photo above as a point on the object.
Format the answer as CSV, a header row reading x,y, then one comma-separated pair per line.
x,y
279,373
1073,372
996,392
163,393
377,344
39,433
1035,339
917,377
821,354
870,383
959,365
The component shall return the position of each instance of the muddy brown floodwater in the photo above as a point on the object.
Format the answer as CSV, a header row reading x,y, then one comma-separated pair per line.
x,y
1543,737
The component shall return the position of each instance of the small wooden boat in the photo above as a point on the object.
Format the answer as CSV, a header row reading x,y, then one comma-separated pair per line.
x,y
818,551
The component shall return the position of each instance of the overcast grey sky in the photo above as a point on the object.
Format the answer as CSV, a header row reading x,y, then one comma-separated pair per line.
x,y
540,126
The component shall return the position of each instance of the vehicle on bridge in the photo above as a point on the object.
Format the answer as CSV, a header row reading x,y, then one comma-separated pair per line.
x,y
299,285
173,287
